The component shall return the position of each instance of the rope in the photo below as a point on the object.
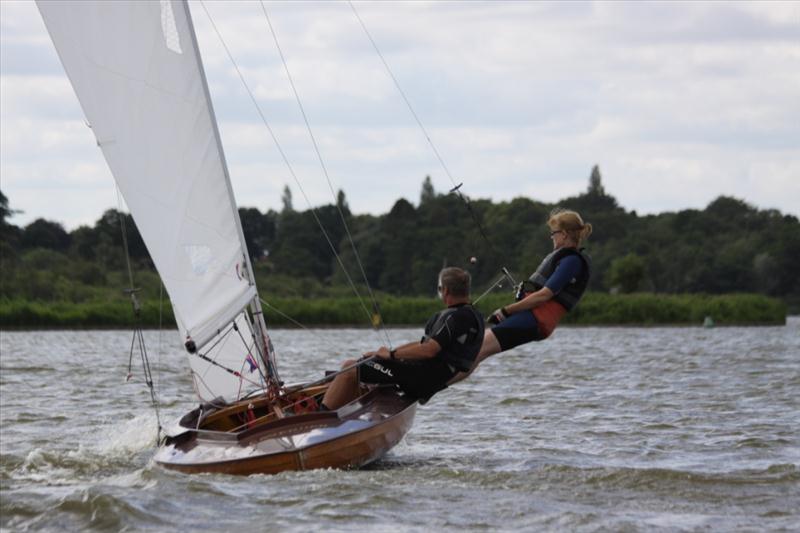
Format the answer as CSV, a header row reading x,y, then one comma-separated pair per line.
x,y
286,160
403,94
284,315
138,340
375,307
160,330
137,332
226,369
497,283
240,375
456,187
330,376
249,354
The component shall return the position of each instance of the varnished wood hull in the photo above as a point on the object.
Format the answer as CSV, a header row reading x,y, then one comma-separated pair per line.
x,y
353,436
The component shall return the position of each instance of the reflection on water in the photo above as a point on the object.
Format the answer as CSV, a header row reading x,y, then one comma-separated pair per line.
x,y
596,428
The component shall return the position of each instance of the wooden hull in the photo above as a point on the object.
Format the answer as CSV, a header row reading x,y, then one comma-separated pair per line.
x,y
355,435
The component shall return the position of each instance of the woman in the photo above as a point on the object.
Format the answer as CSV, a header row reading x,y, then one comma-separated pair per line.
x,y
553,290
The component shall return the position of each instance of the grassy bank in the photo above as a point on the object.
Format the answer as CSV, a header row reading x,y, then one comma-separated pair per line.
x,y
595,309
690,309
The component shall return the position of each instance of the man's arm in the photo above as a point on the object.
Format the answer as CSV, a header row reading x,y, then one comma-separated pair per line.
x,y
410,351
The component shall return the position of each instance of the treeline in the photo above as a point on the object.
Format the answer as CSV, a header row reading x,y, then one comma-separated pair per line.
x,y
728,247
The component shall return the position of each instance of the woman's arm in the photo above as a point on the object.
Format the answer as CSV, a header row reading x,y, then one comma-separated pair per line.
x,y
534,299
567,269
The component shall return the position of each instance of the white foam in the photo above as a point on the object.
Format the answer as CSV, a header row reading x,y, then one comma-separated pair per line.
x,y
205,454
123,438
37,467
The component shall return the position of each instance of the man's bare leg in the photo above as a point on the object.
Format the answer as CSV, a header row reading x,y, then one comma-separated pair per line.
x,y
343,389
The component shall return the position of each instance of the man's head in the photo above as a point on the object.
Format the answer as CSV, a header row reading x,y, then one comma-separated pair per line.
x,y
455,281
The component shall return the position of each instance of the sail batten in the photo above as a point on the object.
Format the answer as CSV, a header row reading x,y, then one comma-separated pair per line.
x,y
151,113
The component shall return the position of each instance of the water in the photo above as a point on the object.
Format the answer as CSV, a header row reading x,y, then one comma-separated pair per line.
x,y
610,429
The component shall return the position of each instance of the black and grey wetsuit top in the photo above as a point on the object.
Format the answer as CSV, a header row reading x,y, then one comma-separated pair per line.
x,y
459,331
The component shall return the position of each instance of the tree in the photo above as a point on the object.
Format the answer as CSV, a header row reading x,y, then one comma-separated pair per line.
x,y
767,273
5,211
626,273
9,233
595,183
398,230
286,198
259,231
341,203
42,233
428,193
110,228
84,241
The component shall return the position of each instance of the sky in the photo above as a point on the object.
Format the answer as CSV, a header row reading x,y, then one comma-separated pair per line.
x,y
677,102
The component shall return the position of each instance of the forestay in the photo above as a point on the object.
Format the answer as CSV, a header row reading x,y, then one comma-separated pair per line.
x,y
137,72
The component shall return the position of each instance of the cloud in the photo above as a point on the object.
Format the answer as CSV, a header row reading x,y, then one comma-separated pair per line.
x,y
677,103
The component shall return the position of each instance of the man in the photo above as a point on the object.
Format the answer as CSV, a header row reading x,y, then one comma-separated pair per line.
x,y
451,343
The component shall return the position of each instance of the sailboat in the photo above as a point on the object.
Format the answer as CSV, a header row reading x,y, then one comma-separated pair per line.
x,y
137,72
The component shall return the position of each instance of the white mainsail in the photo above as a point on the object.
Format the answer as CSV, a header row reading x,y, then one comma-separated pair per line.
x,y
136,69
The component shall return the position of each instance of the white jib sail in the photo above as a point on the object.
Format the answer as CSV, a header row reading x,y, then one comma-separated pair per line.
x,y
136,69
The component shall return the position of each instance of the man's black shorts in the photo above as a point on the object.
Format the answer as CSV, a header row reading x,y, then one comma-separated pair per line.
x,y
419,379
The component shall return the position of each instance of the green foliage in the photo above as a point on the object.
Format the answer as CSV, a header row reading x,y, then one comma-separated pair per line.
x,y
428,193
259,231
651,309
728,247
286,200
626,273
45,234
595,309
67,314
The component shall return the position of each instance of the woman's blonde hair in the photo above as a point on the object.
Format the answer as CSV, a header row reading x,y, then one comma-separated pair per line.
x,y
571,223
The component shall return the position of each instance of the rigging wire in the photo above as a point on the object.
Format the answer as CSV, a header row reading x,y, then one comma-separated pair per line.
x,y
284,315
138,335
456,187
160,331
286,161
403,95
375,307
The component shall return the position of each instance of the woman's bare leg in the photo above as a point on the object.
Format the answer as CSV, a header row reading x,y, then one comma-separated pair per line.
x,y
489,347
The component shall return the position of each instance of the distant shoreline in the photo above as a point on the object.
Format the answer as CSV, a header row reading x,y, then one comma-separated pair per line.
x,y
596,310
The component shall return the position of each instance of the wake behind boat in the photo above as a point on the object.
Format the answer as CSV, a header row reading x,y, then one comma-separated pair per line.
x,y
136,69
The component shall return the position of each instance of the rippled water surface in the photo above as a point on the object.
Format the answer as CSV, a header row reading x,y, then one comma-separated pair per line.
x,y
615,429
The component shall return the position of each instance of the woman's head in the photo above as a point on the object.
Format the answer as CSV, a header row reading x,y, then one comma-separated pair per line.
x,y
567,228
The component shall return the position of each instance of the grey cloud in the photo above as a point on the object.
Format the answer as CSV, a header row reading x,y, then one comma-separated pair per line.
x,y
520,97
29,59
